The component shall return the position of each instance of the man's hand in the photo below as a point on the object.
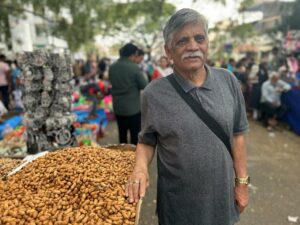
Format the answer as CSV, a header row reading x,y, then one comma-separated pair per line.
x,y
138,181
136,185
241,196
279,89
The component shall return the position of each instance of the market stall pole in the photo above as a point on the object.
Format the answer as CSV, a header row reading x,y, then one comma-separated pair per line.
x,y
47,100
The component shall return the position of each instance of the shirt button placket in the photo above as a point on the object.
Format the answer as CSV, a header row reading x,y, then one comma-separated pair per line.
x,y
197,90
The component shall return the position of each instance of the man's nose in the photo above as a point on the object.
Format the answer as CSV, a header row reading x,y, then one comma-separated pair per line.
x,y
192,45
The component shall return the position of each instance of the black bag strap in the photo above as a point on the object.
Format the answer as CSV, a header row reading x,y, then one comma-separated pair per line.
x,y
196,106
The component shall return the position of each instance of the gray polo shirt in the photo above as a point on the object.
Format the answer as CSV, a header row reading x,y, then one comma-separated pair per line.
x,y
195,170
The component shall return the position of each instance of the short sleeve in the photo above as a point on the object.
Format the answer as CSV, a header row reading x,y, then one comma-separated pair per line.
x,y
240,124
148,134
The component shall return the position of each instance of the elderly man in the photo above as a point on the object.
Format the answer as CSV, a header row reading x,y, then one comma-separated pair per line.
x,y
271,106
196,171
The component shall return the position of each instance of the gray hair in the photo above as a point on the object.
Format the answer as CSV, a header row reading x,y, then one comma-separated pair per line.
x,y
273,73
180,19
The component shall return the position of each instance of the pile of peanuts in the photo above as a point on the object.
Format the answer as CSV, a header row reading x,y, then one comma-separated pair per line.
x,y
72,186
7,165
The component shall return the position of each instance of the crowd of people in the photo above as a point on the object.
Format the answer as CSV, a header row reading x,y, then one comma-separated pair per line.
x,y
263,83
85,72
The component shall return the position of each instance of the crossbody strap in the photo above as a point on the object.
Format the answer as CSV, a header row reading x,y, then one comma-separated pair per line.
x,y
196,106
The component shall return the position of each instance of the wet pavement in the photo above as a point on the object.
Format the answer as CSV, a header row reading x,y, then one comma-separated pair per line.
x,y
274,167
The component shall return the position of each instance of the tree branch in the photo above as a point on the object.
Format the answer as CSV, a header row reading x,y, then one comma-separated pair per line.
x,y
13,8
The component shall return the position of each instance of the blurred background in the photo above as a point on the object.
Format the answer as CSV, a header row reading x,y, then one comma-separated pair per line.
x,y
250,38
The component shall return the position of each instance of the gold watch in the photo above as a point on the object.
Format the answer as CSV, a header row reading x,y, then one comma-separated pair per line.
x,y
244,180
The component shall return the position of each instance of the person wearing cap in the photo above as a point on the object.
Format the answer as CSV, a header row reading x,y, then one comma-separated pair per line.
x,y
202,179
127,81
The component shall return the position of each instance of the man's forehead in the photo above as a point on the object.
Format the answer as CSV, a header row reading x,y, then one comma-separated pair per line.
x,y
189,29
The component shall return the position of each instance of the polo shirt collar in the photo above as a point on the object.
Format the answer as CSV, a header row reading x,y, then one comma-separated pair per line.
x,y
188,85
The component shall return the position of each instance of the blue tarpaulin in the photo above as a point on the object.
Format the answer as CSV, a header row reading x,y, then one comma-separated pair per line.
x,y
11,124
292,100
82,117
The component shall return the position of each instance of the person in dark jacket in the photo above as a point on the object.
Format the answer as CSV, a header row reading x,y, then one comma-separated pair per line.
x,y
127,81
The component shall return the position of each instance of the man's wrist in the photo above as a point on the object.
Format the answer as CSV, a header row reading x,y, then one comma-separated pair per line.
x,y
143,169
242,180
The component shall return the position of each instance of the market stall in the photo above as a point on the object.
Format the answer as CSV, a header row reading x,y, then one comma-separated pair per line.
x,y
55,115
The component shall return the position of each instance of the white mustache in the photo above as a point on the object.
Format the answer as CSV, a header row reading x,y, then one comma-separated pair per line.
x,y
193,54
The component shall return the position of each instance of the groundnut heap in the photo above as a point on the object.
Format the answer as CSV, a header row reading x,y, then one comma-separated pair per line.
x,y
7,165
72,186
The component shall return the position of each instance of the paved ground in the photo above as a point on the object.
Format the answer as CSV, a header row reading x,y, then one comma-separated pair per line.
x,y
274,166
